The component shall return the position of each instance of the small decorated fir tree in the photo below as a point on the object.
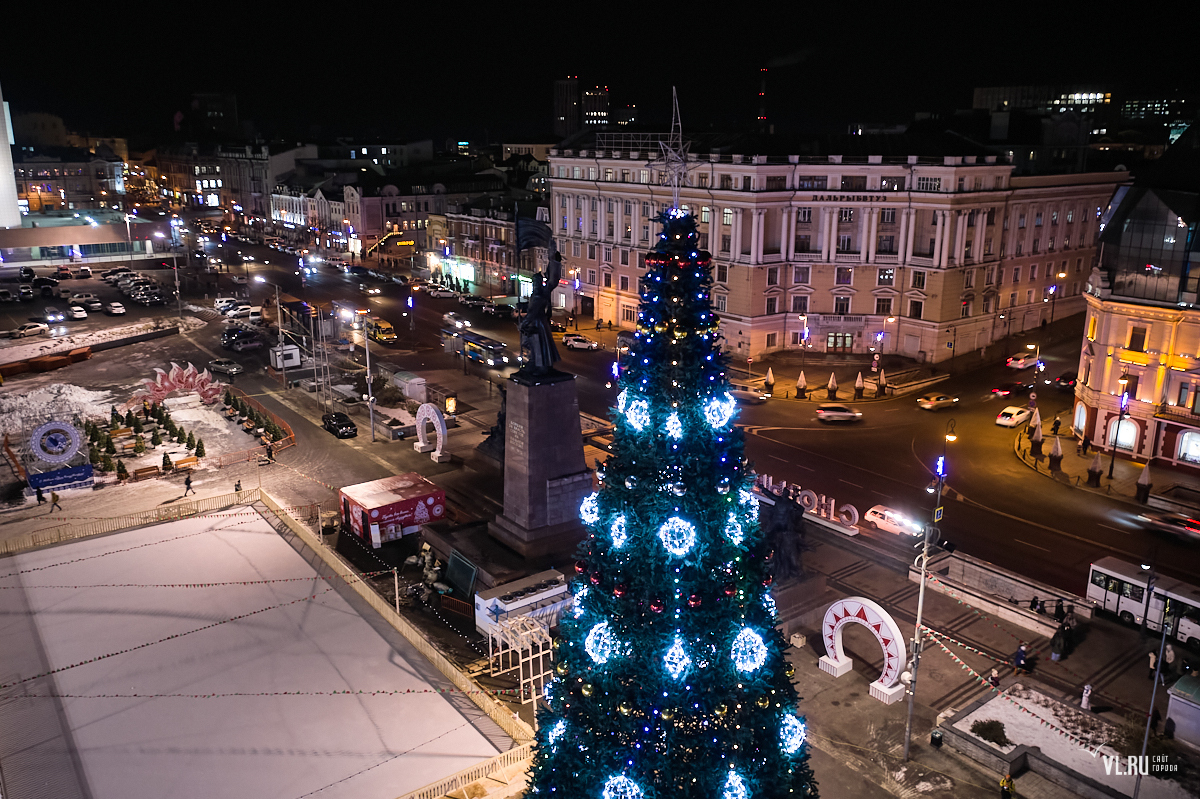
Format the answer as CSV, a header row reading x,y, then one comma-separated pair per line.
x,y
200,448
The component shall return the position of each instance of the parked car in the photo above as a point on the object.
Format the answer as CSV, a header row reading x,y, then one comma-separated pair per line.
x,y
26,273
503,311
152,298
25,292
339,424
7,296
1178,524
748,396
935,401
63,272
83,272
1016,387
77,312
114,309
557,326
835,412
881,517
1012,416
240,335
366,288
52,314
226,366
243,344
471,301
574,341
31,329
1066,381
44,283
240,280
238,311
440,291
1022,360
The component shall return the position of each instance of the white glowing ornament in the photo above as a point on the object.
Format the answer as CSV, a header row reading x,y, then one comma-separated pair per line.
x,y
676,660
791,735
619,536
621,787
600,643
589,510
719,411
556,732
769,604
578,610
747,499
733,529
622,398
677,536
735,787
748,652
674,426
638,414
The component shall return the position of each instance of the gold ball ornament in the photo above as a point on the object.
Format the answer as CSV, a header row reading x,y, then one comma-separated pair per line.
x,y
624,708
721,710
680,333
763,702
562,668
789,671
668,714
586,689
661,327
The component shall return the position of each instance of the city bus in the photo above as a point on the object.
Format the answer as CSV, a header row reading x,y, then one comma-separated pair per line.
x,y
478,347
1120,588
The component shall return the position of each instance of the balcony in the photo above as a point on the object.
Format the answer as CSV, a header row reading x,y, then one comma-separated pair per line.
x,y
1177,413
849,257
806,256
921,260
886,258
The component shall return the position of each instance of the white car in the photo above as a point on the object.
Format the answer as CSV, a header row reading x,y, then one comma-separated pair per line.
x,y
834,412
574,341
1013,416
31,329
442,292
240,280
114,309
244,312
226,366
368,289
747,396
1022,360
935,401
881,517
76,312
454,320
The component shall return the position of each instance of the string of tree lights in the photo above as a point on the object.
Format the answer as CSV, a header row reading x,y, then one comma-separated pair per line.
x,y
670,675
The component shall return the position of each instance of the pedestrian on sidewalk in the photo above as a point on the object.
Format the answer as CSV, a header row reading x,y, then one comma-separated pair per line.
x,y
994,679
271,451
1060,615
1020,660
41,498
1155,720
1033,604
1086,701
1153,664
54,501
187,485
1054,427
1006,787
609,325
1169,661
1087,443
1056,645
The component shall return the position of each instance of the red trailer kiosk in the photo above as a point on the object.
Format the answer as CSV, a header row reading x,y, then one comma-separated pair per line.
x,y
388,509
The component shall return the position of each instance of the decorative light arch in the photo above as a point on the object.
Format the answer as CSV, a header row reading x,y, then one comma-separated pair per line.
x,y
429,412
859,610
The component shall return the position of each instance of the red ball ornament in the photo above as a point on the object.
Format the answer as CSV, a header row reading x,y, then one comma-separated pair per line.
x,y
657,605
694,601
619,589
770,556
580,566
730,589
768,580
595,578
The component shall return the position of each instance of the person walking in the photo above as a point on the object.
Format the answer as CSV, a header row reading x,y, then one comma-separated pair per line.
x,y
1087,443
271,451
1056,645
994,679
1020,660
54,501
187,485
1169,661
41,498
1054,427
1060,615
1033,604
1085,701
1006,787
1153,664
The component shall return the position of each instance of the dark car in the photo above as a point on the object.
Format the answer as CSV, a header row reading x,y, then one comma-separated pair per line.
x,y
339,424
231,339
557,327
44,282
1178,524
502,311
26,273
1010,389
1066,381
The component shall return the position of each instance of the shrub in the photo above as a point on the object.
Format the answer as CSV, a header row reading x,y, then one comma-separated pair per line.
x,y
228,398
138,427
180,435
191,440
93,456
200,448
992,731
166,463
412,406
156,438
139,445
129,418
106,463
109,446
122,472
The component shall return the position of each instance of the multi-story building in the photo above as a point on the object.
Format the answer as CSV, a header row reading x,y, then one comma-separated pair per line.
x,y
921,255
68,178
239,178
1139,369
568,118
595,107
381,152
480,244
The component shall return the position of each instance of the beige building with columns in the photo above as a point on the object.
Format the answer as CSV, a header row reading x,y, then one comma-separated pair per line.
x,y
839,250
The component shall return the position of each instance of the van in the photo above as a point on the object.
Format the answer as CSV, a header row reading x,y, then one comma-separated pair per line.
x,y
380,330
255,315
83,272
221,303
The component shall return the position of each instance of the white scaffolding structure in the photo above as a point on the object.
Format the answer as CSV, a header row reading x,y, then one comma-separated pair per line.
x,y
522,644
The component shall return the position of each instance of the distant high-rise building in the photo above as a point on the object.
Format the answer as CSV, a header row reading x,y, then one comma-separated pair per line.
x,y
1044,98
595,107
215,114
625,116
567,110
10,211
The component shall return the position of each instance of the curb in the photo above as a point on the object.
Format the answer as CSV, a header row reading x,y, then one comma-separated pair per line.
x,y
1100,492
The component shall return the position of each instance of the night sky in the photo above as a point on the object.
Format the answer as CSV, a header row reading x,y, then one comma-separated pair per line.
x,y
485,72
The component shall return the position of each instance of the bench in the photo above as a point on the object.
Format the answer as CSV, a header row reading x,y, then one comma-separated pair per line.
x,y
121,432
126,447
187,464
144,472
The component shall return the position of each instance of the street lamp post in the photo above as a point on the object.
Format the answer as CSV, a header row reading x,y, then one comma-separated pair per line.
x,y
1037,360
1123,380
803,338
175,269
129,239
279,329
1054,295
935,486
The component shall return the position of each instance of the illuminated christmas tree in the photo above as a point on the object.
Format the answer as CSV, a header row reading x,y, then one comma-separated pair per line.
x,y
670,676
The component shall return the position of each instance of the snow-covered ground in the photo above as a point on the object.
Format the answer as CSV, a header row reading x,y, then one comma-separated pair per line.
x,y
21,410
34,347
261,746
1086,758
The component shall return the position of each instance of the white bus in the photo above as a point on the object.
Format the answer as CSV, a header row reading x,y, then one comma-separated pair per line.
x,y
1120,588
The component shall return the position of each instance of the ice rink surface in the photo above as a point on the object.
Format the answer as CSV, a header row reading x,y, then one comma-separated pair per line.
x,y
167,748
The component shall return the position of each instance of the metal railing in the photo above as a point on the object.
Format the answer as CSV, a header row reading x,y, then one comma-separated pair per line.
x,y
513,757
498,712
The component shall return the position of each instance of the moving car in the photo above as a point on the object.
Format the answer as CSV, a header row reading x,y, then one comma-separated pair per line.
x,y
240,280
238,311
1066,381
114,309
1022,360
1009,389
52,314
339,424
83,272
80,298
77,312
7,296
471,301
1013,416
31,329
835,412
748,396
1178,524
557,326
44,283
881,517
453,319
934,401
369,289
574,341
502,311
91,305
226,366
441,291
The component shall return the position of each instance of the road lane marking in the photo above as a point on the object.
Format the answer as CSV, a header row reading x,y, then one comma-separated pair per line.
x,y
1110,527
1026,543
847,482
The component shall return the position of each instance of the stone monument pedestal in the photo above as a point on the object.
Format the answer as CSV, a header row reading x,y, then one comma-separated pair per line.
x,y
545,477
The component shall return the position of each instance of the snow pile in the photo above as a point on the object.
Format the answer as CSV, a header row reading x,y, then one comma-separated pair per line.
x,y
33,348
20,412
1086,757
